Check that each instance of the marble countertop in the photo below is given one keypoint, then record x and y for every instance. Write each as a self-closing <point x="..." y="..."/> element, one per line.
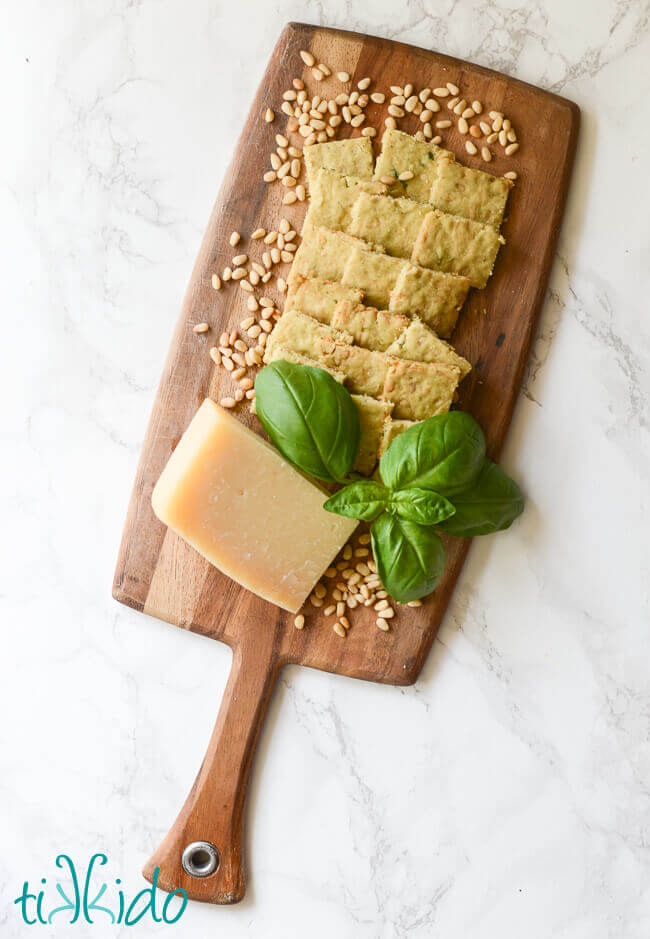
<point x="507" y="793"/>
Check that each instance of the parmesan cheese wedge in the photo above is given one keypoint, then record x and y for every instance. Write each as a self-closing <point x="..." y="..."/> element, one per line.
<point x="237" y="501"/>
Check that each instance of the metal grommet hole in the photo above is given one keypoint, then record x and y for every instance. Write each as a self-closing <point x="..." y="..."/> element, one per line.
<point x="200" y="859"/>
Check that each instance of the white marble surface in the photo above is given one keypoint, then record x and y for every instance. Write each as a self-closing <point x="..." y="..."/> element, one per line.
<point x="507" y="794"/>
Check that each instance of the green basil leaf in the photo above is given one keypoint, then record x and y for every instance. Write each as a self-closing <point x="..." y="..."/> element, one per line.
<point x="365" y="500"/>
<point x="491" y="504"/>
<point x="421" y="506"/>
<point x="310" y="418"/>
<point x="443" y="453"/>
<point x="410" y="558"/>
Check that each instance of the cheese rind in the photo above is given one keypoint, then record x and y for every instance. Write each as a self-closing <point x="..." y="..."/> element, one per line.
<point x="235" y="499"/>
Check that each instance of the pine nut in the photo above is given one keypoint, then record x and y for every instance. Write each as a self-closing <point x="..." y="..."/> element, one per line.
<point x="441" y="92"/>
<point x="411" y="103"/>
<point x="215" y="355"/>
<point x="486" y="154"/>
<point x="454" y="89"/>
<point x="216" y="281"/>
<point x="383" y="625"/>
<point x="307" y="58"/>
<point x="443" y="124"/>
<point x="432" y="105"/>
<point x="475" y="131"/>
<point x="299" y="621"/>
<point x="477" y="107"/>
<point x="485" y="128"/>
<point x="317" y="74"/>
<point x="201" y="327"/>
<point x="470" y="147"/>
<point x="377" y="97"/>
<point x="339" y="630"/>
<point x="390" y="123"/>
<point x="363" y="84"/>
<point x="394" y="111"/>
<point x="368" y="132"/>
<point x="463" y="126"/>
<point x="510" y="175"/>
<point x="405" y="176"/>
<point x="491" y="138"/>
<point x="503" y="138"/>
<point x="227" y="402"/>
<point x="386" y="614"/>
<point x="364" y="539"/>
<point x="426" y="116"/>
<point x="269" y="115"/>
<point x="511" y="148"/>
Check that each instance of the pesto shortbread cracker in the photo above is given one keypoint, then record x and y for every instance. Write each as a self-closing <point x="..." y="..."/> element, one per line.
<point x="399" y="153"/>
<point x="432" y="295"/>
<point x="370" y="328"/>
<point x="351" y="157"/>
<point x="324" y="253"/>
<point x="303" y="334"/>
<point x="392" y="428"/>
<point x="332" y="196"/>
<point x="373" y="415"/>
<point x="473" y="194"/>
<point x="281" y="353"/>
<point x="317" y="297"/>
<point x="392" y="223"/>
<point x="375" y="274"/>
<point x="420" y="389"/>
<point x="365" y="371"/>
<point x="420" y="344"/>
<point x="457" y="245"/>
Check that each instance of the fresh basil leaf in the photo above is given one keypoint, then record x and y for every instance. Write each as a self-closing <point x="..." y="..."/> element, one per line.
<point x="421" y="506"/>
<point x="443" y="453"/>
<point x="410" y="558"/>
<point x="365" y="500"/>
<point x="310" y="418"/>
<point x="491" y="504"/>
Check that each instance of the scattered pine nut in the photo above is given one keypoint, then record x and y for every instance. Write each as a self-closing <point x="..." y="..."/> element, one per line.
<point x="477" y="107"/>
<point x="463" y="126"/>
<point x="343" y="76"/>
<point x="269" y="115"/>
<point x="227" y="402"/>
<point x="383" y="625"/>
<point x="307" y="58"/>
<point x="511" y="148"/>
<point x="215" y="355"/>
<point x="486" y="154"/>
<point x="339" y="630"/>
<point x="235" y="238"/>
<point x="299" y="621"/>
<point x="510" y="175"/>
<point x="201" y="327"/>
<point x="216" y="282"/>
<point x="441" y="92"/>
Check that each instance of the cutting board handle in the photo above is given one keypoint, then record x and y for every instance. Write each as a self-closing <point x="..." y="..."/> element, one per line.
<point x="214" y="809"/>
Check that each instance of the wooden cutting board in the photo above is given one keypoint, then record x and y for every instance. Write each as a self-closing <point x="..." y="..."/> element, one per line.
<point x="159" y="574"/>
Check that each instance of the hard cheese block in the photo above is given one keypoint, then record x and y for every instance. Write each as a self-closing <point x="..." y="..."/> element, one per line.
<point x="237" y="501"/>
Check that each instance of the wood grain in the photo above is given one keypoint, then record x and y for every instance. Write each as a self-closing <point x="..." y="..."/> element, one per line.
<point x="158" y="574"/>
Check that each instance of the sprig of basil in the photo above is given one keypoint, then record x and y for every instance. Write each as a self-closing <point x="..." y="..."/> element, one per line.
<point x="435" y="476"/>
<point x="310" y="418"/>
<point x="443" y="453"/>
<point x="410" y="558"/>
<point x="363" y="500"/>
<point x="491" y="504"/>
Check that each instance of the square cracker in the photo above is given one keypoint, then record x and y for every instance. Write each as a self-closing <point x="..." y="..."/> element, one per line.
<point x="401" y="152"/>
<point x="365" y="371"/>
<point x="392" y="223"/>
<point x="324" y="253"/>
<point x="457" y="245"/>
<point x="470" y="193"/>
<point x="373" y="414"/>
<point x="302" y="334"/>
<point x="420" y="389"/>
<point x="281" y="353"/>
<point x="352" y="157"/>
<point x="431" y="295"/>
<point x="418" y="343"/>
<point x="375" y="274"/>
<point x="332" y="196"/>
<point x="370" y="328"/>
<point x="317" y="297"/>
